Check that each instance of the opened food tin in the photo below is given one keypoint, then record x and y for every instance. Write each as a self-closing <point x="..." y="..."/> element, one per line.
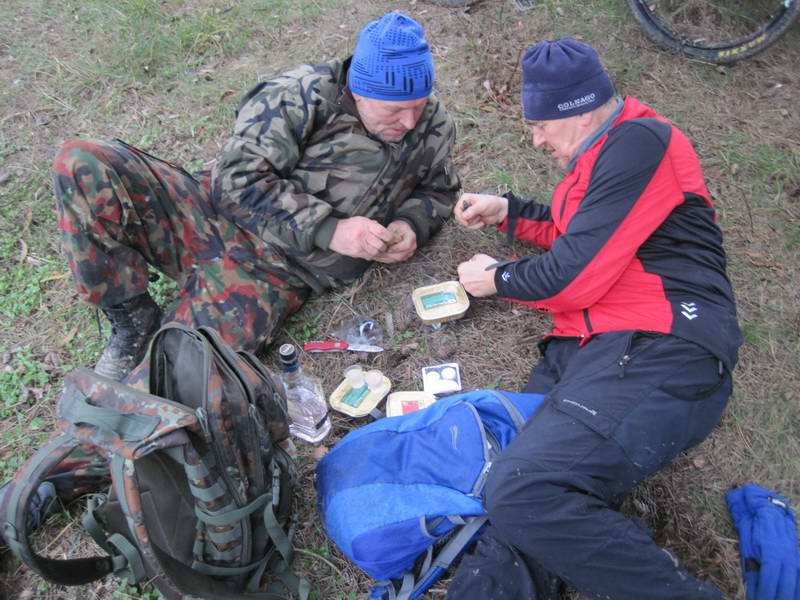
<point x="440" y="302"/>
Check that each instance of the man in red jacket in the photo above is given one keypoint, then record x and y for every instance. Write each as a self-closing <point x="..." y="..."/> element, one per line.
<point x="638" y="365"/>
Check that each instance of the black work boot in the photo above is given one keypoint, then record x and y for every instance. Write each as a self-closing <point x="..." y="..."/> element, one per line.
<point x="133" y="323"/>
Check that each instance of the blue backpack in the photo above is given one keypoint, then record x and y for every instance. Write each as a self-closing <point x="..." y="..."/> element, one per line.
<point x="402" y="497"/>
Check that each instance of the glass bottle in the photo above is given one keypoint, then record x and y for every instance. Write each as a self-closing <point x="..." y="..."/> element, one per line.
<point x="308" y="409"/>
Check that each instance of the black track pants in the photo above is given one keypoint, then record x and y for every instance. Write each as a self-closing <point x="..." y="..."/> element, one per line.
<point x="617" y="410"/>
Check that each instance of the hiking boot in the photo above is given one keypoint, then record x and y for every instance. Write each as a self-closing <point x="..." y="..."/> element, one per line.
<point x="133" y="323"/>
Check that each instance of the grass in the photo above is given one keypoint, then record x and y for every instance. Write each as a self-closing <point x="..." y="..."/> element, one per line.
<point x="166" y="76"/>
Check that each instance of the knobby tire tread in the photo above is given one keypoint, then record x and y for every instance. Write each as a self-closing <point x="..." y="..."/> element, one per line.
<point x="726" y="52"/>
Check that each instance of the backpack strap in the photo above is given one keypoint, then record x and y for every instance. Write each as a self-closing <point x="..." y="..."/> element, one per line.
<point x="280" y="556"/>
<point x="115" y="544"/>
<point x="77" y="571"/>
<point x="411" y="590"/>
<point x="75" y="408"/>
<point x="119" y="419"/>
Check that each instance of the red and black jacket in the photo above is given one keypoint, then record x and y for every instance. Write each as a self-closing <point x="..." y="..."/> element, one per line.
<point x="631" y="242"/>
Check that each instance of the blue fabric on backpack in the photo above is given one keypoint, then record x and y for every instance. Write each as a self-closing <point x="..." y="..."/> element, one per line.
<point x="386" y="490"/>
<point x="767" y="543"/>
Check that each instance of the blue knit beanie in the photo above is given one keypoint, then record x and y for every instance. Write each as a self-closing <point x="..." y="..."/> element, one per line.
<point x="392" y="60"/>
<point x="561" y="79"/>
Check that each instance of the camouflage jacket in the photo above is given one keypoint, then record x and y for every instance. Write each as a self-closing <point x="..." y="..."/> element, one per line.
<point x="299" y="159"/>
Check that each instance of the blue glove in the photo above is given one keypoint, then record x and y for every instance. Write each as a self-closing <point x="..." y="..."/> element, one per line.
<point x="743" y="521"/>
<point x="767" y="543"/>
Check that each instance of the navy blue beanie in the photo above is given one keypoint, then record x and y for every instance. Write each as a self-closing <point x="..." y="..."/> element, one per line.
<point x="561" y="79"/>
<point x="392" y="60"/>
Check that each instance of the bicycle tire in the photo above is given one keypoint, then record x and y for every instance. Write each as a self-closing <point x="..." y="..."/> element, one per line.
<point x="453" y="3"/>
<point x="723" y="52"/>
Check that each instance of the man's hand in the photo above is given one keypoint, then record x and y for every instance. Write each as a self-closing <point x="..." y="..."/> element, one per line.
<point x="474" y="211"/>
<point x="475" y="278"/>
<point x="361" y="237"/>
<point x="405" y="243"/>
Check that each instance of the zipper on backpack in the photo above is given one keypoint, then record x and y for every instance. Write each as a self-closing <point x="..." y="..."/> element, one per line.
<point x="491" y="448"/>
<point x="223" y="353"/>
<point x="513" y="412"/>
<point x="202" y="418"/>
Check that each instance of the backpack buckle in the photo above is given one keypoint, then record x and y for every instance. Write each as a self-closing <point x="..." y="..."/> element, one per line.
<point x="10" y="532"/>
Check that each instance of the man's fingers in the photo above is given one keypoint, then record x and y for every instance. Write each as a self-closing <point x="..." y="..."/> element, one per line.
<point x="470" y="223"/>
<point x="404" y="245"/>
<point x="471" y="212"/>
<point x="374" y="245"/>
<point x="400" y="240"/>
<point x="392" y="257"/>
<point x="380" y="232"/>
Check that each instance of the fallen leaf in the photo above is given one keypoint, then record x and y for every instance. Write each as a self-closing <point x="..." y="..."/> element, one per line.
<point x="23" y="253"/>
<point x="699" y="462"/>
<point x="319" y="452"/>
<point x="68" y="338"/>
<point x="28" y="219"/>
<point x="56" y="276"/>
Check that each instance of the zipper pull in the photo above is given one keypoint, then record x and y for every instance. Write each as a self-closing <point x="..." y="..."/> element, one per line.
<point x="622" y="363"/>
<point x="202" y="418"/>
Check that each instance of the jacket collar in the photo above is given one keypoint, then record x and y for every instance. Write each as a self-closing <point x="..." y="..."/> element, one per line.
<point x="600" y="132"/>
<point x="345" y="98"/>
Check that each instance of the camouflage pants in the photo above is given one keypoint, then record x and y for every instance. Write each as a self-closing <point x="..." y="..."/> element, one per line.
<point x="121" y="209"/>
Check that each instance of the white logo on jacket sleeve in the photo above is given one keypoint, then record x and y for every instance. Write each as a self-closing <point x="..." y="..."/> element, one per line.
<point x="689" y="310"/>
<point x="505" y="276"/>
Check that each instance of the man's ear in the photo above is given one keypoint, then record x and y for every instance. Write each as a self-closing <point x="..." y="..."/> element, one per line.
<point x="585" y="120"/>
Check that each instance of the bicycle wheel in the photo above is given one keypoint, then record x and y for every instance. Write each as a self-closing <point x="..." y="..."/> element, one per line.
<point x="453" y="3"/>
<point x="719" y="31"/>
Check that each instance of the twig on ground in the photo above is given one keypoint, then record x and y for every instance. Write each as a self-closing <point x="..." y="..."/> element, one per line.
<point x="313" y="554"/>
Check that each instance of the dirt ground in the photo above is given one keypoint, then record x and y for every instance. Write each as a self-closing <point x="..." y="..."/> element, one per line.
<point x="166" y="76"/>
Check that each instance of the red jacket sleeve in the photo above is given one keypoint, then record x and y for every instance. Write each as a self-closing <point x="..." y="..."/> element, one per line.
<point x="529" y="221"/>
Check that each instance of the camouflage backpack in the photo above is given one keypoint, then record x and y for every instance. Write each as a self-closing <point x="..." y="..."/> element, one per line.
<point x="192" y="490"/>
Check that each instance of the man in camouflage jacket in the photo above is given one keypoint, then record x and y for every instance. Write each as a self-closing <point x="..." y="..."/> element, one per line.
<point x="328" y="168"/>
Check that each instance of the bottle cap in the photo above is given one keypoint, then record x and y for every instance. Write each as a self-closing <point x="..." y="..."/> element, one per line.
<point x="287" y="354"/>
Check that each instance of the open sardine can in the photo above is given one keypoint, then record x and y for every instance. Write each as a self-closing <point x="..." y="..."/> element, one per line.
<point x="357" y="397"/>
<point x="403" y="403"/>
<point x="440" y="302"/>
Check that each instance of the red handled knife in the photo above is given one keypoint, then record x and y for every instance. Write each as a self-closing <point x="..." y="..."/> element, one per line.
<point x="327" y="346"/>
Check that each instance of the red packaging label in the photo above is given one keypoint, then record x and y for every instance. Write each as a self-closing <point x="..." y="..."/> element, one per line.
<point x="409" y="406"/>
